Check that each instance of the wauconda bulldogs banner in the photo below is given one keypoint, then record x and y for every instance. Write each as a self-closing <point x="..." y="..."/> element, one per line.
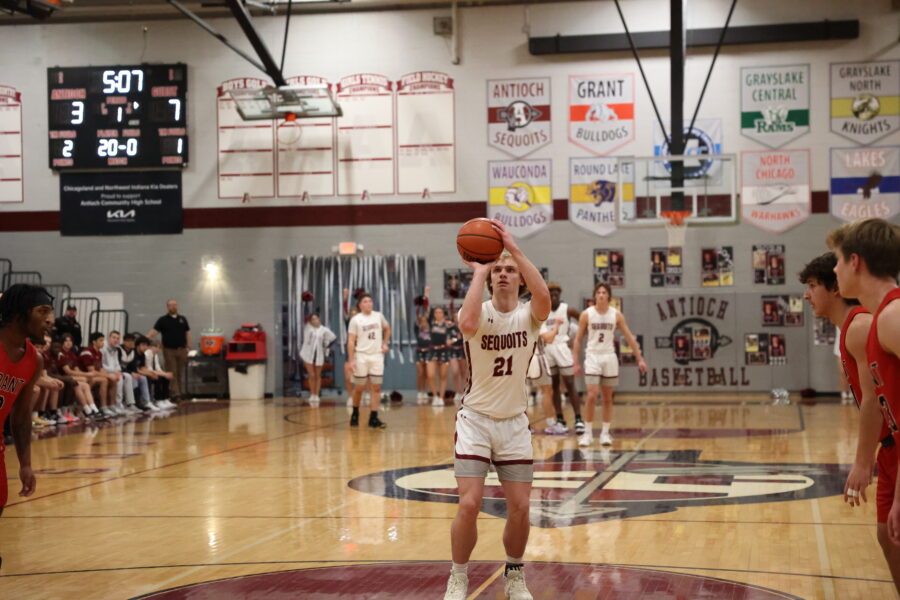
<point x="775" y="189"/>
<point x="518" y="115"/>
<point x="865" y="182"/>
<point x="139" y="202"/>
<point x="520" y="195"/>
<point x="865" y="100"/>
<point x="601" y="111"/>
<point x="592" y="193"/>
<point x="775" y="104"/>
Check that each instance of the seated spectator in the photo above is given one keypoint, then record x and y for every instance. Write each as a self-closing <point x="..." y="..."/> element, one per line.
<point x="91" y="362"/>
<point x="160" y="378"/>
<point x="68" y="324"/>
<point x="124" y="381"/>
<point x="132" y="360"/>
<point x="65" y="363"/>
<point x="67" y="393"/>
<point x="44" y="413"/>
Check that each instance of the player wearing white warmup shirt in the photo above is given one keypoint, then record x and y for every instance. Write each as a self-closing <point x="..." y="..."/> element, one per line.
<point x="367" y="342"/>
<point x="492" y="427"/>
<point x="601" y="365"/>
<point x="559" y="359"/>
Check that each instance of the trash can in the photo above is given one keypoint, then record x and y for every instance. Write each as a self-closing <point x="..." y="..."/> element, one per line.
<point x="246" y="358"/>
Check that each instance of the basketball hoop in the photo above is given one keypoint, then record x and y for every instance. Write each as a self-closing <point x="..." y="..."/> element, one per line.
<point x="288" y="131"/>
<point x="676" y="228"/>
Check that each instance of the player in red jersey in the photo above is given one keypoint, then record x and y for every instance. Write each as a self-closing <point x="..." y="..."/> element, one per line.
<point x="26" y="315"/>
<point x="868" y="262"/>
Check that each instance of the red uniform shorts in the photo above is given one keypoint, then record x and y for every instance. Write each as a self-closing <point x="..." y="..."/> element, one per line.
<point x="887" y="479"/>
<point x="3" y="483"/>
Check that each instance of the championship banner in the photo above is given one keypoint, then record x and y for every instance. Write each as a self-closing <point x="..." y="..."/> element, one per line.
<point x="865" y="182"/>
<point x="704" y="138"/>
<point x="518" y="115"/>
<point x="601" y="111"/>
<point x="11" y="172"/>
<point x="865" y="100"/>
<point x="775" y="189"/>
<point x="123" y="203"/>
<point x="775" y="104"/>
<point x="592" y="193"/>
<point x="520" y="195"/>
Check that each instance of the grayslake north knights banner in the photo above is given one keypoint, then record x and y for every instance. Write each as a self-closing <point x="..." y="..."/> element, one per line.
<point x="520" y="195"/>
<point x="865" y="182"/>
<point x="775" y="188"/>
<point x="865" y="100"/>
<point x="775" y="103"/>
<point x="592" y="192"/>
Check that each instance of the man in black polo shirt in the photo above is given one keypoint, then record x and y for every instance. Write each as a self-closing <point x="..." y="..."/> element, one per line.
<point x="176" y="339"/>
<point x="68" y="324"/>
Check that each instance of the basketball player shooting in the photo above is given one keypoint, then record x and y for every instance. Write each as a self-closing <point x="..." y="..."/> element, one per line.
<point x="492" y="427"/>
<point x="26" y="316"/>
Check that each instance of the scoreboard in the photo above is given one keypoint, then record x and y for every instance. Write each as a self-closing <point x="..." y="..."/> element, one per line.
<point x="119" y="116"/>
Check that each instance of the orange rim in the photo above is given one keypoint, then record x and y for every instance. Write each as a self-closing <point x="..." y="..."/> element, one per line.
<point x="676" y="217"/>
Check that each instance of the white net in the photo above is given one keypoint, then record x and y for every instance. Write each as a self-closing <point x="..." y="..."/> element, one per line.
<point x="288" y="133"/>
<point x="676" y="234"/>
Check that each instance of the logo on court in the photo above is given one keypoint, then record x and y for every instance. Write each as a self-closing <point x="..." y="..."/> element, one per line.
<point x="519" y="115"/>
<point x="576" y="487"/>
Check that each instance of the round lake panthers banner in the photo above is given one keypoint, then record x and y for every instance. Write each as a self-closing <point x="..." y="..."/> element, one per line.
<point x="865" y="182"/>
<point x="775" y="104"/>
<point x="775" y="189"/>
<point x="518" y="115"/>
<point x="601" y="111"/>
<point x="592" y="193"/>
<point x="865" y="100"/>
<point x="520" y="195"/>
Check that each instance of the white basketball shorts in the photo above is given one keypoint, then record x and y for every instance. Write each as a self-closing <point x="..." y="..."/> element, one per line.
<point x="481" y="441"/>
<point x="559" y="358"/>
<point x="601" y="368"/>
<point x="369" y="366"/>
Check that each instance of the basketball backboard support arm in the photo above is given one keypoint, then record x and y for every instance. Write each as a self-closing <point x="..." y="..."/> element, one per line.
<point x="266" y="63"/>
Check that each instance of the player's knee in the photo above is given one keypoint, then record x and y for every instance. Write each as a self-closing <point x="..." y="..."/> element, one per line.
<point x="469" y="507"/>
<point x="518" y="507"/>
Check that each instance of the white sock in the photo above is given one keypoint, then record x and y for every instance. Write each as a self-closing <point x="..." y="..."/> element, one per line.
<point x="515" y="561"/>
<point x="550" y="421"/>
<point x="606" y="427"/>
<point x="588" y="427"/>
<point x="457" y="568"/>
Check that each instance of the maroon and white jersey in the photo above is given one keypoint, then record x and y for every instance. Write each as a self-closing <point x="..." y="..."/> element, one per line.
<point x="499" y="353"/>
<point x="600" y="329"/>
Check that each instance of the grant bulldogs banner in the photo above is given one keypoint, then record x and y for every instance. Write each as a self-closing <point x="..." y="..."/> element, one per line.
<point x="775" y="189"/>
<point x="865" y="182"/>
<point x="592" y="193"/>
<point x="520" y="195"/>
<point x="518" y="115"/>
<point x="775" y="104"/>
<point x="601" y="111"/>
<point x="140" y="202"/>
<point x="865" y="100"/>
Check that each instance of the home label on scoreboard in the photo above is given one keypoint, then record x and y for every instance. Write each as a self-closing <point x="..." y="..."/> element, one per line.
<point x="118" y="116"/>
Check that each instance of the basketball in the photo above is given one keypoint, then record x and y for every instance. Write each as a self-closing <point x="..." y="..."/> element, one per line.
<point x="478" y="241"/>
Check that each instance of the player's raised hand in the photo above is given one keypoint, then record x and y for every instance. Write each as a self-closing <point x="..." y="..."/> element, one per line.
<point x="477" y="266"/>
<point x="509" y="242"/>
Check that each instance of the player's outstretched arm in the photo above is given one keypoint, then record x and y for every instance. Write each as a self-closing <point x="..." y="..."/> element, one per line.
<point x="540" y="294"/>
<point x="622" y="324"/>
<point x="550" y="335"/>
<point x="21" y="426"/>
<point x="870" y="418"/>
<point x="470" y="313"/>
<point x="579" y="338"/>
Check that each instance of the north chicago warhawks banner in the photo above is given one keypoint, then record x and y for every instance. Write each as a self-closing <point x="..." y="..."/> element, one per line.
<point x="865" y="100"/>
<point x="518" y="115"/>
<point x="775" y="104"/>
<point x="592" y="193"/>
<point x="520" y="195"/>
<point x="865" y="182"/>
<point x="775" y="189"/>
<point x="601" y="111"/>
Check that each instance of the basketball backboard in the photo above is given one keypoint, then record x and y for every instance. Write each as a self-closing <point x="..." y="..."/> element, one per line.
<point x="645" y="187"/>
<point x="304" y="102"/>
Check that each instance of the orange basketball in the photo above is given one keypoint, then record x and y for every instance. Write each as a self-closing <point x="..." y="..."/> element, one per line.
<point x="478" y="241"/>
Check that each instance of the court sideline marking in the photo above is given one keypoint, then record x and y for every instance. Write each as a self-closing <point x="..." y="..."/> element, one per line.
<point x="824" y="558"/>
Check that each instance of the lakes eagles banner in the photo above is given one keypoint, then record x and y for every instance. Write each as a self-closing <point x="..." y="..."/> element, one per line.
<point x="865" y="182"/>
<point x="775" y="104"/>
<point x="520" y="195"/>
<point x="865" y="100"/>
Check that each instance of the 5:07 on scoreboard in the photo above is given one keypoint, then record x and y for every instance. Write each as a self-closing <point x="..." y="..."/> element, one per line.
<point x="117" y="116"/>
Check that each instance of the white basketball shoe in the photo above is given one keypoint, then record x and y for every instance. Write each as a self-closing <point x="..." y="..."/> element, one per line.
<point x="514" y="585"/>
<point x="457" y="587"/>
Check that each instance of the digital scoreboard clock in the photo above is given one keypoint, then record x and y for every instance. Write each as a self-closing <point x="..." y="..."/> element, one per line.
<point x="114" y="117"/>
